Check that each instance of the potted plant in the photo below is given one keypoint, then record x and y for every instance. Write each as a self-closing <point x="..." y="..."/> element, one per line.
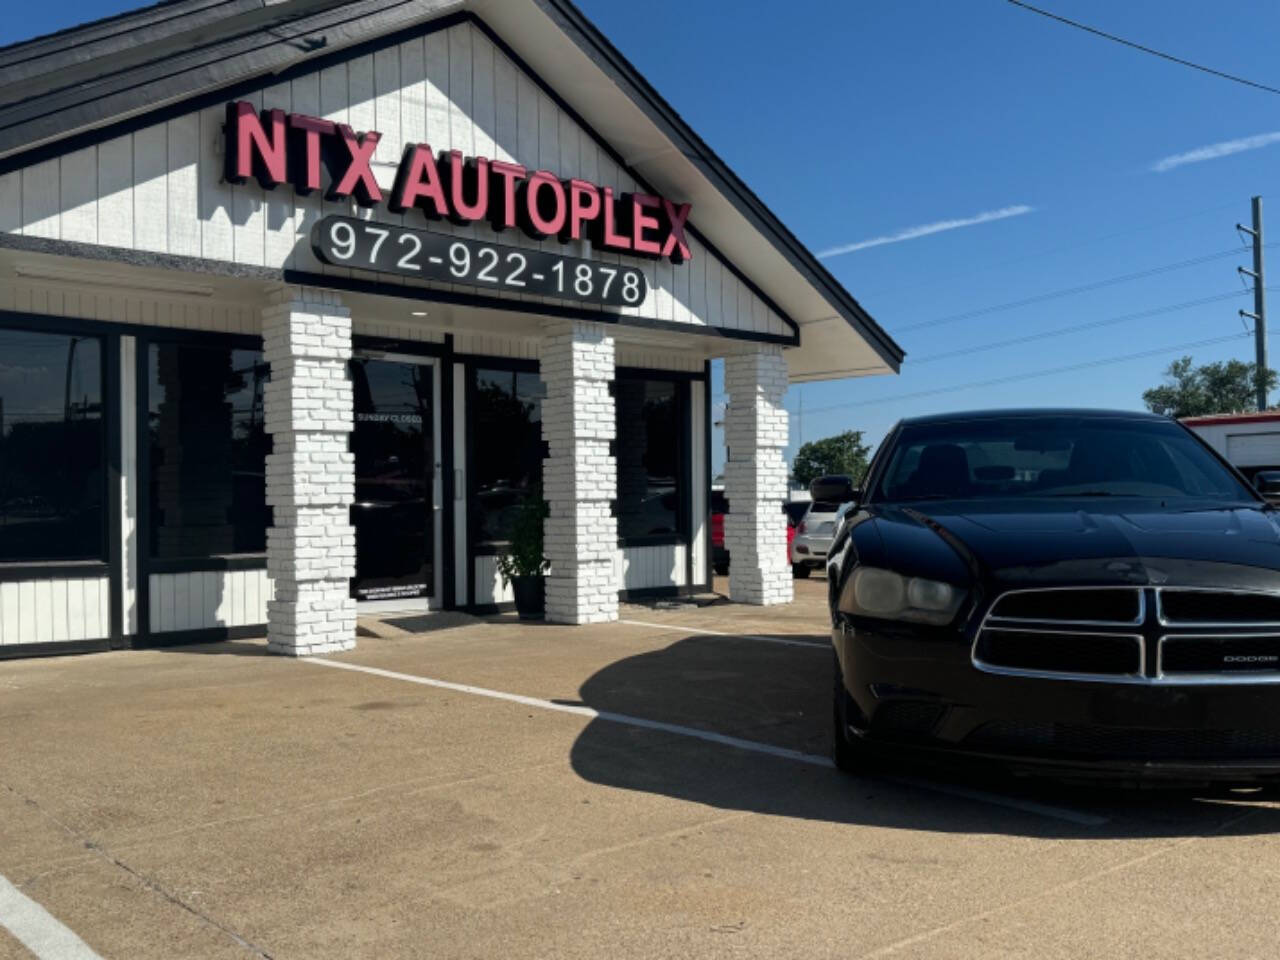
<point x="524" y="566"/>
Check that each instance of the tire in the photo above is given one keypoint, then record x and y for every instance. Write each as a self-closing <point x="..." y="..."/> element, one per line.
<point x="800" y="571"/>
<point x="849" y="755"/>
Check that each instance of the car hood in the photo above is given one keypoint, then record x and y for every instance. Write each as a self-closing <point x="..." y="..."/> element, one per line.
<point x="1078" y="541"/>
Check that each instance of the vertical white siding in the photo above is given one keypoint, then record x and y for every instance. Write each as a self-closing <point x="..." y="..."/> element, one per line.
<point x="643" y="568"/>
<point x="489" y="587"/>
<point x="208" y="599"/>
<point x="161" y="188"/>
<point x="54" y="611"/>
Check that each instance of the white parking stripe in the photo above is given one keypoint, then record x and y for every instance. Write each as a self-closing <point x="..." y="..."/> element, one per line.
<point x="585" y="711"/>
<point x="754" y="746"/>
<point x="37" y="929"/>
<point x="720" y="633"/>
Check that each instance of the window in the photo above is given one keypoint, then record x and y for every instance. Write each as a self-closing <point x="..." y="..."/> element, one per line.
<point x="52" y="447"/>
<point x="208" y="449"/>
<point x="1053" y="456"/>
<point x="652" y="460"/>
<point x="507" y="449"/>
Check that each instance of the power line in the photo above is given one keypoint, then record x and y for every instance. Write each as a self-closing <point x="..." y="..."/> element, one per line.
<point x="1077" y="327"/>
<point x="1105" y="361"/>
<point x="1145" y="49"/>
<point x="1050" y="251"/>
<point x="1072" y="291"/>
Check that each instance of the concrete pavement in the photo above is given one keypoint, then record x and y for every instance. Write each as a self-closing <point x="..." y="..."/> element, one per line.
<point x="216" y="802"/>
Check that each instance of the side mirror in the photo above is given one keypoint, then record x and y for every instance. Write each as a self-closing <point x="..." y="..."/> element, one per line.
<point x="1267" y="483"/>
<point x="836" y="488"/>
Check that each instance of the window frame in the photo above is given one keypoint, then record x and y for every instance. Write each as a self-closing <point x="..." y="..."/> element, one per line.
<point x="684" y="383"/>
<point x="148" y="564"/>
<point x="474" y="364"/>
<point x="109" y="380"/>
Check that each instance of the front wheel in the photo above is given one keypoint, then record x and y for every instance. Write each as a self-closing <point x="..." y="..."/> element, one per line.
<point x="849" y="754"/>
<point x="800" y="571"/>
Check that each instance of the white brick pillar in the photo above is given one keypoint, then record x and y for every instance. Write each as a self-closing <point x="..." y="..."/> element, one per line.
<point x="579" y="476"/>
<point x="311" y="548"/>
<point x="755" y="477"/>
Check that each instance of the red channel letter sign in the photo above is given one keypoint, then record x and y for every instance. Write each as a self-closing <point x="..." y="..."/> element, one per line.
<point x="275" y="148"/>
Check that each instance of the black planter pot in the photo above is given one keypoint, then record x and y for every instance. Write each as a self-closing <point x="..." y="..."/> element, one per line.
<point x="531" y="596"/>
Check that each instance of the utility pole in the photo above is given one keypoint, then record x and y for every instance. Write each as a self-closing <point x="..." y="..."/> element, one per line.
<point x="1259" y="315"/>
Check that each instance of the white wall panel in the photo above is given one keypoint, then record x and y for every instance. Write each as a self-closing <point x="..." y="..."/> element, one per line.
<point x="79" y="196"/>
<point x="115" y="192"/>
<point x="495" y="346"/>
<point x="11" y="202"/>
<point x="208" y="599"/>
<point x="161" y="189"/>
<point x="151" y="188"/>
<point x="630" y="355"/>
<point x="489" y="587"/>
<point x="54" y="611"/>
<point x="85" y="300"/>
<point x="643" y="568"/>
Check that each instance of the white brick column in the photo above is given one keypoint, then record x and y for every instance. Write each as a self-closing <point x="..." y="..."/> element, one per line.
<point x="311" y="548"/>
<point x="579" y="476"/>
<point x="755" y="477"/>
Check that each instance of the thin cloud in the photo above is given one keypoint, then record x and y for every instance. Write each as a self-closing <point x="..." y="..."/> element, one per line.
<point x="1215" y="150"/>
<point x="924" y="230"/>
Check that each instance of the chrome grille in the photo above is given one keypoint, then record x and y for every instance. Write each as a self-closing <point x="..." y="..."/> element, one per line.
<point x="1153" y="635"/>
<point x="1097" y="606"/>
<point x="1051" y="651"/>
<point x="1253" y="656"/>
<point x="1188" y="607"/>
<point x="1081" y="633"/>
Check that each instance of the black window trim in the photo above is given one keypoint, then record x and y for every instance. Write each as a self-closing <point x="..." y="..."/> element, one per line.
<point x="471" y="363"/>
<point x="684" y="512"/>
<point x="474" y="364"/>
<point x="108" y="336"/>
<point x="148" y="564"/>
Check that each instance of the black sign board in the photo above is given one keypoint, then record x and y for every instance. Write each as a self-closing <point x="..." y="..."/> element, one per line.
<point x="389" y="248"/>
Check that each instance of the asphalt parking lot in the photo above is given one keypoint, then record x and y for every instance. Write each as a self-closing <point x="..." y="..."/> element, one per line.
<point x="651" y="788"/>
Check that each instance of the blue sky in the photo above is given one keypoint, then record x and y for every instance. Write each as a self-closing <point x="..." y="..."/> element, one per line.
<point x="857" y="121"/>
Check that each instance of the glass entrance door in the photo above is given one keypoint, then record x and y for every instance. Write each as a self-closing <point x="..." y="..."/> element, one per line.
<point x="393" y="440"/>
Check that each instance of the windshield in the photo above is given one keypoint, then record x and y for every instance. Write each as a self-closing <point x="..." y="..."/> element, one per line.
<point x="1052" y="457"/>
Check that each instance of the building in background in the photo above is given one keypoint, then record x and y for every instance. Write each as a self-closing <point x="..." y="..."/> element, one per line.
<point x="298" y="301"/>
<point x="1251" y="441"/>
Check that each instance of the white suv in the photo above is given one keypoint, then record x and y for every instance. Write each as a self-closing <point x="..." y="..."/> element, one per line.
<point x="813" y="538"/>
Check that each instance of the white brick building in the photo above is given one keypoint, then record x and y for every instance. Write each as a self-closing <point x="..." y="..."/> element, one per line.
<point x="295" y="314"/>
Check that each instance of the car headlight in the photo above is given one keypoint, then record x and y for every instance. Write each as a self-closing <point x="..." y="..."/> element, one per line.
<point x="875" y="592"/>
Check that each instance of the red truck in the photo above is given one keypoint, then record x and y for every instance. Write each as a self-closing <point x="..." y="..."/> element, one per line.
<point x="720" y="506"/>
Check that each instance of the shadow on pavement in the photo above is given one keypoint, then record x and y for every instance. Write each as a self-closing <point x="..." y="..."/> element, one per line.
<point x="780" y="696"/>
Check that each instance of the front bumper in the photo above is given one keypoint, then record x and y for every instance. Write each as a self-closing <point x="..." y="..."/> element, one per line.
<point x="916" y="690"/>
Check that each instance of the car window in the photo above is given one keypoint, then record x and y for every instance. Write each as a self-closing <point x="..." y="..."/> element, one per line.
<point x="795" y="511"/>
<point x="1052" y="457"/>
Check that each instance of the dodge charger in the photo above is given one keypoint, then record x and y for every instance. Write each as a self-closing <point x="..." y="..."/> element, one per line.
<point x="1060" y="590"/>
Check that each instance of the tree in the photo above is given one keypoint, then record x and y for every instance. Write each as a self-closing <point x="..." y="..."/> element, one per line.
<point x="1221" y="387"/>
<point x="843" y="453"/>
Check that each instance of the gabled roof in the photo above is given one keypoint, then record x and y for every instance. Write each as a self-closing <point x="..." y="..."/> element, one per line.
<point x="82" y="85"/>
